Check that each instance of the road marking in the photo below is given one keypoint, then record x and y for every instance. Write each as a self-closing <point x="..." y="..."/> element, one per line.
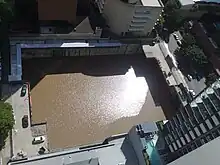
<point x="1" y="161"/>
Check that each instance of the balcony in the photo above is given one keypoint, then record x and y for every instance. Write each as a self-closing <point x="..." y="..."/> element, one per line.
<point x="138" y="21"/>
<point x="142" y="16"/>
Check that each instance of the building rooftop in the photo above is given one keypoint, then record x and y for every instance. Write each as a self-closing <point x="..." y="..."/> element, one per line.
<point x="154" y="3"/>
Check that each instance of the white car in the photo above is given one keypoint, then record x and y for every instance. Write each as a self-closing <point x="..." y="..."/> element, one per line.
<point x="192" y="92"/>
<point x="39" y="139"/>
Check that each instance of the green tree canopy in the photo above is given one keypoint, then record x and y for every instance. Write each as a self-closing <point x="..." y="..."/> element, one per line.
<point x="173" y="19"/>
<point x="6" y="8"/>
<point x="6" y="119"/>
<point x="191" y="57"/>
<point x="211" y="78"/>
<point x="197" y="55"/>
<point x="188" y="39"/>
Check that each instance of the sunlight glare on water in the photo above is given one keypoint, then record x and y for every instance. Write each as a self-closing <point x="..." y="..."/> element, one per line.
<point x="134" y="95"/>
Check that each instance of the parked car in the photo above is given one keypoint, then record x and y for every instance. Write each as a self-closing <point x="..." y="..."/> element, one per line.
<point x="25" y="121"/>
<point x="23" y="90"/>
<point x="39" y="139"/>
<point x="175" y="36"/>
<point x="189" y="77"/>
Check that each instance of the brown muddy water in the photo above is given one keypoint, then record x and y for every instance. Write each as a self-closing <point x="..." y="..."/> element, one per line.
<point x="86" y="99"/>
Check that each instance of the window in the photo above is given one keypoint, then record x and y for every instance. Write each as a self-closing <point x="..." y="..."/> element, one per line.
<point x="215" y="101"/>
<point x="180" y="153"/>
<point x="215" y="134"/>
<point x="174" y="134"/>
<point x="176" y="121"/>
<point x="209" y="137"/>
<point x="184" y="150"/>
<point x="197" y="114"/>
<point x="184" y="114"/>
<point x="193" y="121"/>
<point x="191" y="116"/>
<point x="203" y="110"/>
<point x="178" y="132"/>
<point x="167" y="140"/>
<point x="183" y="129"/>
<point x="215" y="120"/>
<point x="187" y="126"/>
<point x="208" y="105"/>
<point x="189" y="148"/>
<point x="170" y="137"/>
<point x="172" y="124"/>
<point x="198" y="142"/>
<point x="203" y="140"/>
<point x="180" y="119"/>
<point x="193" y="146"/>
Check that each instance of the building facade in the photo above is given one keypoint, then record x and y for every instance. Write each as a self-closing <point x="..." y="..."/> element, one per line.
<point x="130" y="17"/>
<point x="195" y="124"/>
<point x="207" y="36"/>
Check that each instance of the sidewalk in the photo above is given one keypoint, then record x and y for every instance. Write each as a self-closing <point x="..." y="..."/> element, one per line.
<point x="178" y="76"/>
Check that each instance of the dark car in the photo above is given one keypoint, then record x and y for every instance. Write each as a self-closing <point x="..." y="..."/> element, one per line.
<point x="25" y="121"/>
<point x="23" y="90"/>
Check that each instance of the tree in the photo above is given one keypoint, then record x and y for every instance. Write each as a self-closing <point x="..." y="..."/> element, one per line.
<point x="173" y="19"/>
<point x="188" y="39"/>
<point x="6" y="119"/>
<point x="190" y="57"/>
<point x="211" y="78"/>
<point x="197" y="55"/>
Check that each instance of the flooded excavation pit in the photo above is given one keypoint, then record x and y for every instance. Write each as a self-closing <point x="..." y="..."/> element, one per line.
<point x="86" y="99"/>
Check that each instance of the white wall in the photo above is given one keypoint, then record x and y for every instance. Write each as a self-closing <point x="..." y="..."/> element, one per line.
<point x="205" y="155"/>
<point x="119" y="16"/>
